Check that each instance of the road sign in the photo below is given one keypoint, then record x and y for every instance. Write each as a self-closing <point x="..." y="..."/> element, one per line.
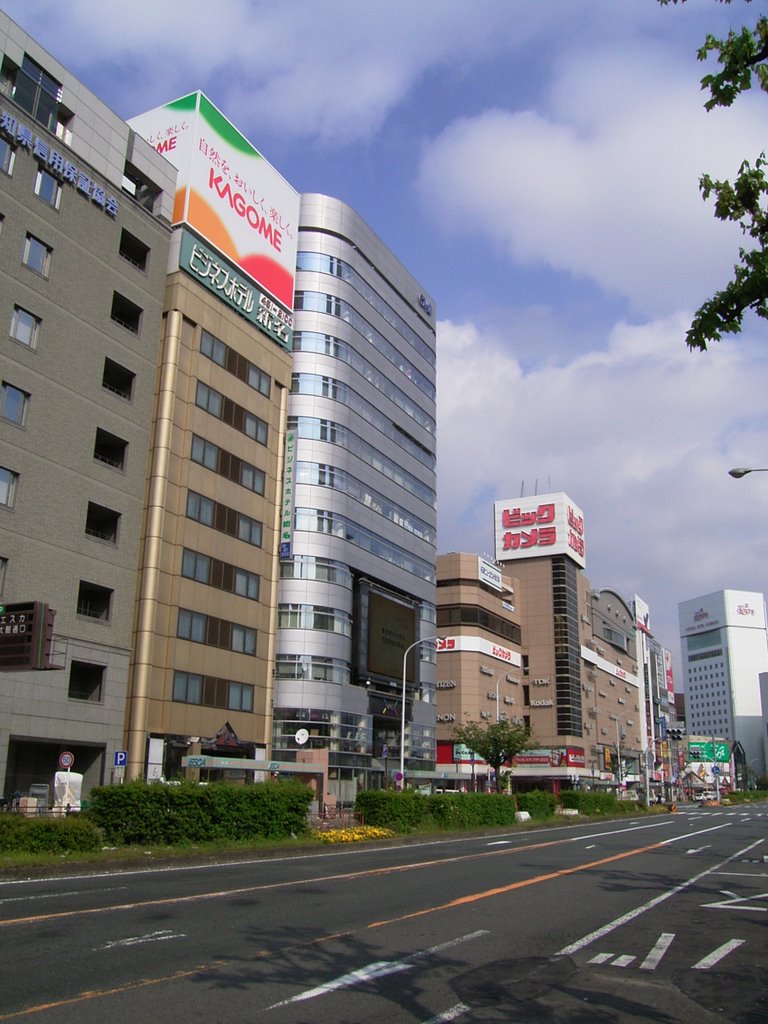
<point x="715" y="769"/>
<point x="121" y="758"/>
<point x="66" y="759"/>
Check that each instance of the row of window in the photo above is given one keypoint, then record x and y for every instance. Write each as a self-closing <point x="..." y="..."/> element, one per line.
<point x="332" y="523"/>
<point x="222" y="575"/>
<point x="26" y="325"/>
<point x="325" y="264"/>
<point x="324" y="475"/>
<point x="224" y="519"/>
<point x="231" y="413"/>
<point x="338" y="391"/>
<point x="211" y="692"/>
<point x="320" y="302"/>
<point x="307" y="616"/>
<point x="315" y="429"/>
<point x="224" y="463"/>
<point x="472" y="615"/>
<point x="230" y="360"/>
<point x="326" y="344"/>
<point x="214" y="632"/>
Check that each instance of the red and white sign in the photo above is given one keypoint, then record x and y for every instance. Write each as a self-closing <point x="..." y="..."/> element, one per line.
<point x="547" y="524"/>
<point x="66" y="759"/>
<point x="479" y="645"/>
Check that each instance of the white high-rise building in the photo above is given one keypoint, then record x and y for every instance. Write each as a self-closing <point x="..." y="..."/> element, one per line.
<point x="724" y="650"/>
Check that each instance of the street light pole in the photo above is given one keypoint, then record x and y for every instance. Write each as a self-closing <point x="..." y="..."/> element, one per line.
<point x="406" y="652"/>
<point x="741" y="471"/>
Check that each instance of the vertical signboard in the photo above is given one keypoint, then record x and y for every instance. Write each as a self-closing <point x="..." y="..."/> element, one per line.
<point x="227" y="192"/>
<point x="26" y="635"/>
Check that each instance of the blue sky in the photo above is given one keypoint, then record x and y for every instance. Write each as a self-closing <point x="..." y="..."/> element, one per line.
<point x="535" y="164"/>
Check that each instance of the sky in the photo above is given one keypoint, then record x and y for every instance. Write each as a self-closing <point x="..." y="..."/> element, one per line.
<point x="535" y="165"/>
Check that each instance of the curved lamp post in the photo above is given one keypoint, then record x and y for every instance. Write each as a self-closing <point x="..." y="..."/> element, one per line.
<point x="406" y="652"/>
<point x="741" y="471"/>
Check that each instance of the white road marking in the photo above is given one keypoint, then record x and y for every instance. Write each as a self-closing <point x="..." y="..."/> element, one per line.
<point x="733" y="904"/>
<point x="623" y="961"/>
<point x="602" y="958"/>
<point x="698" y="849"/>
<point x="53" y="895"/>
<point x="500" y="842"/>
<point x="600" y="933"/>
<point x="138" y="940"/>
<point x="717" y="955"/>
<point x="653" y="959"/>
<point x="448" y="1015"/>
<point x="380" y="969"/>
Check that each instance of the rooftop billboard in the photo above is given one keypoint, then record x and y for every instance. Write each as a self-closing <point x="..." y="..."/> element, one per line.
<point x="544" y="525"/>
<point x="227" y="192"/>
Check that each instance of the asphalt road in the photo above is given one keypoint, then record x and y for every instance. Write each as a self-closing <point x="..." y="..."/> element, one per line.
<point x="660" y="919"/>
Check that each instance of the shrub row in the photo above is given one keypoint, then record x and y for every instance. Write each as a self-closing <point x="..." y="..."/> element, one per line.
<point x="740" y="796"/>
<point x="74" y="834"/>
<point x="406" y="811"/>
<point x="176" y="815"/>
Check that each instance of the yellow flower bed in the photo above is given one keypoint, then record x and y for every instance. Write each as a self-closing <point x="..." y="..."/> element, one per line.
<point x="355" y="834"/>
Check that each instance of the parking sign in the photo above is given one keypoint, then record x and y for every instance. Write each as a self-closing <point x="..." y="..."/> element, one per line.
<point x="121" y="758"/>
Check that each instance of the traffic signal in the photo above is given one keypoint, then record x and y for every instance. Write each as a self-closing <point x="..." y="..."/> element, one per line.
<point x="676" y="734"/>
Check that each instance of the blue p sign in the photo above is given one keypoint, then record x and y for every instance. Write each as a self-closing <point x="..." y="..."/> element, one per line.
<point x="121" y="758"/>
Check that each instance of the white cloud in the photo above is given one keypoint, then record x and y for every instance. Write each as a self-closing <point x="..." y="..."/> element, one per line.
<point x="602" y="185"/>
<point x="640" y="433"/>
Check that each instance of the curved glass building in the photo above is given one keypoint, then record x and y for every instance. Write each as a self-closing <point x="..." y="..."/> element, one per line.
<point x="357" y="587"/>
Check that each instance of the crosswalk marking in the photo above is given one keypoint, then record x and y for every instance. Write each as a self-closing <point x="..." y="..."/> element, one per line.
<point x="653" y="959"/>
<point x="718" y="954"/>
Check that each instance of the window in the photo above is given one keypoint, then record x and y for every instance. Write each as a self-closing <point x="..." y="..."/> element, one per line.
<point x="243" y="639"/>
<point x="3" y="571"/>
<point x="252" y="478"/>
<point x="187" y="687"/>
<point x="25" y="327"/>
<point x="13" y="404"/>
<point x="192" y="626"/>
<point x="133" y="250"/>
<point x="200" y="509"/>
<point x="37" y="93"/>
<point x="48" y="188"/>
<point x="208" y="399"/>
<point x="7" y="155"/>
<point x="86" y="681"/>
<point x="195" y="566"/>
<point x="249" y="530"/>
<point x="118" y="379"/>
<point x="102" y="522"/>
<point x="259" y="380"/>
<point x="126" y="313"/>
<point x="255" y="428"/>
<point x="36" y="255"/>
<point x="110" y="449"/>
<point x="240" y="697"/>
<point x="94" y="601"/>
<point x="8" y="481"/>
<point x="247" y="584"/>
<point x="205" y="453"/>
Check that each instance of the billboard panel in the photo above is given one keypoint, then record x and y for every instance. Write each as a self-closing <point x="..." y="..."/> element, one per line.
<point x="226" y="191"/>
<point x="391" y="631"/>
<point x="544" y="525"/>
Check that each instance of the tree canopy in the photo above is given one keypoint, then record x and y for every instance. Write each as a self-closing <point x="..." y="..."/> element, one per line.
<point x="496" y="743"/>
<point x="743" y="60"/>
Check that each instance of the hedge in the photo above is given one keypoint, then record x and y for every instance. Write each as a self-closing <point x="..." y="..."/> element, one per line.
<point x="172" y="815"/>
<point x="409" y="810"/>
<point x="72" y="834"/>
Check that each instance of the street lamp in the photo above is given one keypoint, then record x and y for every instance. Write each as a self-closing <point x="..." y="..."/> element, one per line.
<point x="406" y="652"/>
<point x="741" y="471"/>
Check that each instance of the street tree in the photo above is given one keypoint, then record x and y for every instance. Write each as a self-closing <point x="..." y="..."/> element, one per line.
<point x="496" y="743"/>
<point x="743" y="60"/>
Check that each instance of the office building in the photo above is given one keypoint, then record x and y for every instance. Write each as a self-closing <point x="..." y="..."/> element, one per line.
<point x="85" y="210"/>
<point x="357" y="590"/>
<point x="724" y="650"/>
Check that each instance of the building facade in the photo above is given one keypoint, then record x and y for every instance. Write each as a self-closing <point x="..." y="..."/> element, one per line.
<point x="85" y="209"/>
<point x="724" y="650"/>
<point x="201" y="674"/>
<point x="357" y="590"/>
